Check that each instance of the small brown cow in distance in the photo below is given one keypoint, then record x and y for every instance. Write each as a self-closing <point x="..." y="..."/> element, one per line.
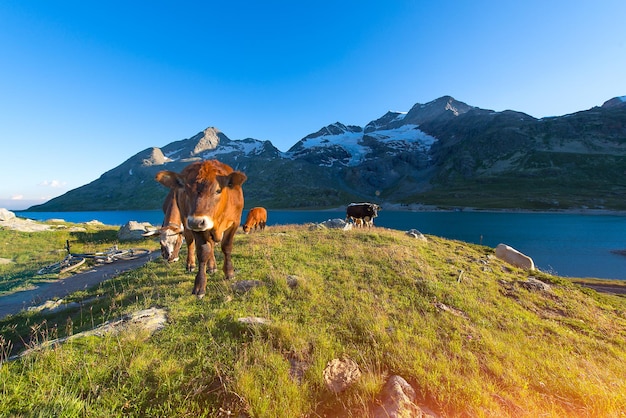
<point x="257" y="218"/>
<point x="212" y="210"/>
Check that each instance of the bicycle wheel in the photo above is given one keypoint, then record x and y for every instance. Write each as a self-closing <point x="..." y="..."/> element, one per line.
<point x="72" y="264"/>
<point x="50" y="269"/>
<point x="69" y="263"/>
<point x="130" y="254"/>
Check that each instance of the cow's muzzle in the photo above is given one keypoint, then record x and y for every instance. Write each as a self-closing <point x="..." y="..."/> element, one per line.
<point x="200" y="223"/>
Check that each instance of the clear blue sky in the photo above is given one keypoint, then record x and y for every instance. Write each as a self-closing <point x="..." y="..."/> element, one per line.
<point x="84" y="85"/>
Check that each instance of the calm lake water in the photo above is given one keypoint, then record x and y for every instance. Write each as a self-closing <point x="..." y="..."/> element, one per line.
<point x="570" y="245"/>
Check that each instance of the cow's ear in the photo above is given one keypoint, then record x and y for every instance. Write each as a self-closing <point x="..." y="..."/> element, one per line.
<point x="169" y="179"/>
<point x="236" y="178"/>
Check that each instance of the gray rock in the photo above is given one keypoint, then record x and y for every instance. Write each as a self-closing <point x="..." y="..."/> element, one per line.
<point x="336" y="224"/>
<point x="294" y="281"/>
<point x="133" y="231"/>
<point x="514" y="257"/>
<point x="146" y="321"/>
<point x="24" y="225"/>
<point x="536" y="285"/>
<point x="6" y="214"/>
<point x="243" y="286"/>
<point x="398" y="401"/>
<point x="253" y="320"/>
<point x="416" y="234"/>
<point x="340" y="374"/>
<point x="54" y="306"/>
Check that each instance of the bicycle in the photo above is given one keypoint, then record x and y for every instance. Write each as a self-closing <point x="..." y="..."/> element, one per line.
<point x="74" y="260"/>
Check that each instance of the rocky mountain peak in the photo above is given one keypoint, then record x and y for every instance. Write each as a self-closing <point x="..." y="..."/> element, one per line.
<point x="445" y="107"/>
<point x="615" y="102"/>
<point x="208" y="139"/>
<point x="336" y="128"/>
<point x="389" y="119"/>
<point x="201" y="143"/>
<point x="154" y="157"/>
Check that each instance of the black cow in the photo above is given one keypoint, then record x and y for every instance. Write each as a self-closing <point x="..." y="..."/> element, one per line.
<point x="362" y="213"/>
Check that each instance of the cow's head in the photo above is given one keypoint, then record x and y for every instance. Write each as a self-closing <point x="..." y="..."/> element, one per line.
<point x="171" y="239"/>
<point x="375" y="208"/>
<point x="211" y="187"/>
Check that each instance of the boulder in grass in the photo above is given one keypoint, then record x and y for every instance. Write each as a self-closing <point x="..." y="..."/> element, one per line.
<point x="398" y="400"/>
<point x="133" y="231"/>
<point x="514" y="257"/>
<point x="340" y="374"/>
<point x="6" y="215"/>
<point x="336" y="224"/>
<point x="416" y="234"/>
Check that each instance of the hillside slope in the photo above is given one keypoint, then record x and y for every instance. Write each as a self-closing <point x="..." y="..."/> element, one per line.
<point x="472" y="335"/>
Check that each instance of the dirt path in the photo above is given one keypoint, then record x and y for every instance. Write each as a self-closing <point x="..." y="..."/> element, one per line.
<point x="606" y="288"/>
<point x="15" y="302"/>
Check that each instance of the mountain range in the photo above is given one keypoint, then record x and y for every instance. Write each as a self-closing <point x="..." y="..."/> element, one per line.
<point x="444" y="153"/>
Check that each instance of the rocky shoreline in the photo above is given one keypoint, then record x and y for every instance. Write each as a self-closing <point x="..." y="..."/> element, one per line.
<point x="8" y="220"/>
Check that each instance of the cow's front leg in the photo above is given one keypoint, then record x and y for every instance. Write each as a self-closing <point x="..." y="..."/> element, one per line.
<point x="206" y="256"/>
<point x="227" y="248"/>
<point x="212" y="264"/>
<point x="191" y="251"/>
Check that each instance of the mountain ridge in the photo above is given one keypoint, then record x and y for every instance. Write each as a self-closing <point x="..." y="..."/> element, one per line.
<point x="444" y="152"/>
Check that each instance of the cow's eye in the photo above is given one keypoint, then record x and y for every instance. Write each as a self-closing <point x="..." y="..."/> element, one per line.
<point x="218" y="191"/>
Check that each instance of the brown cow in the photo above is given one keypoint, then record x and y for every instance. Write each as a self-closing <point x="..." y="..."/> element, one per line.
<point x="257" y="217"/>
<point x="214" y="202"/>
<point x="173" y="228"/>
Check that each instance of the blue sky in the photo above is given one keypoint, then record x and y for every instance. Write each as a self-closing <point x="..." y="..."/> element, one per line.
<point x="84" y="85"/>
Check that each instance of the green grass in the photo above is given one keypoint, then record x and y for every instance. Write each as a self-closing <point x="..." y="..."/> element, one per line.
<point x="376" y="296"/>
<point x="29" y="251"/>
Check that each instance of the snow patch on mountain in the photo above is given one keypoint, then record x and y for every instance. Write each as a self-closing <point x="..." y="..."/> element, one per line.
<point x="349" y="141"/>
<point x="172" y="155"/>
<point x="404" y="134"/>
<point x="186" y="149"/>
<point x="350" y="148"/>
<point x="248" y="147"/>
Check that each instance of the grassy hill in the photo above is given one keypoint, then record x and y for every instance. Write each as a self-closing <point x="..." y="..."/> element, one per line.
<point x="471" y="334"/>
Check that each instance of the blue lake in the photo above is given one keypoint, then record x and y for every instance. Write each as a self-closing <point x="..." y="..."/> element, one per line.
<point x="570" y="245"/>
